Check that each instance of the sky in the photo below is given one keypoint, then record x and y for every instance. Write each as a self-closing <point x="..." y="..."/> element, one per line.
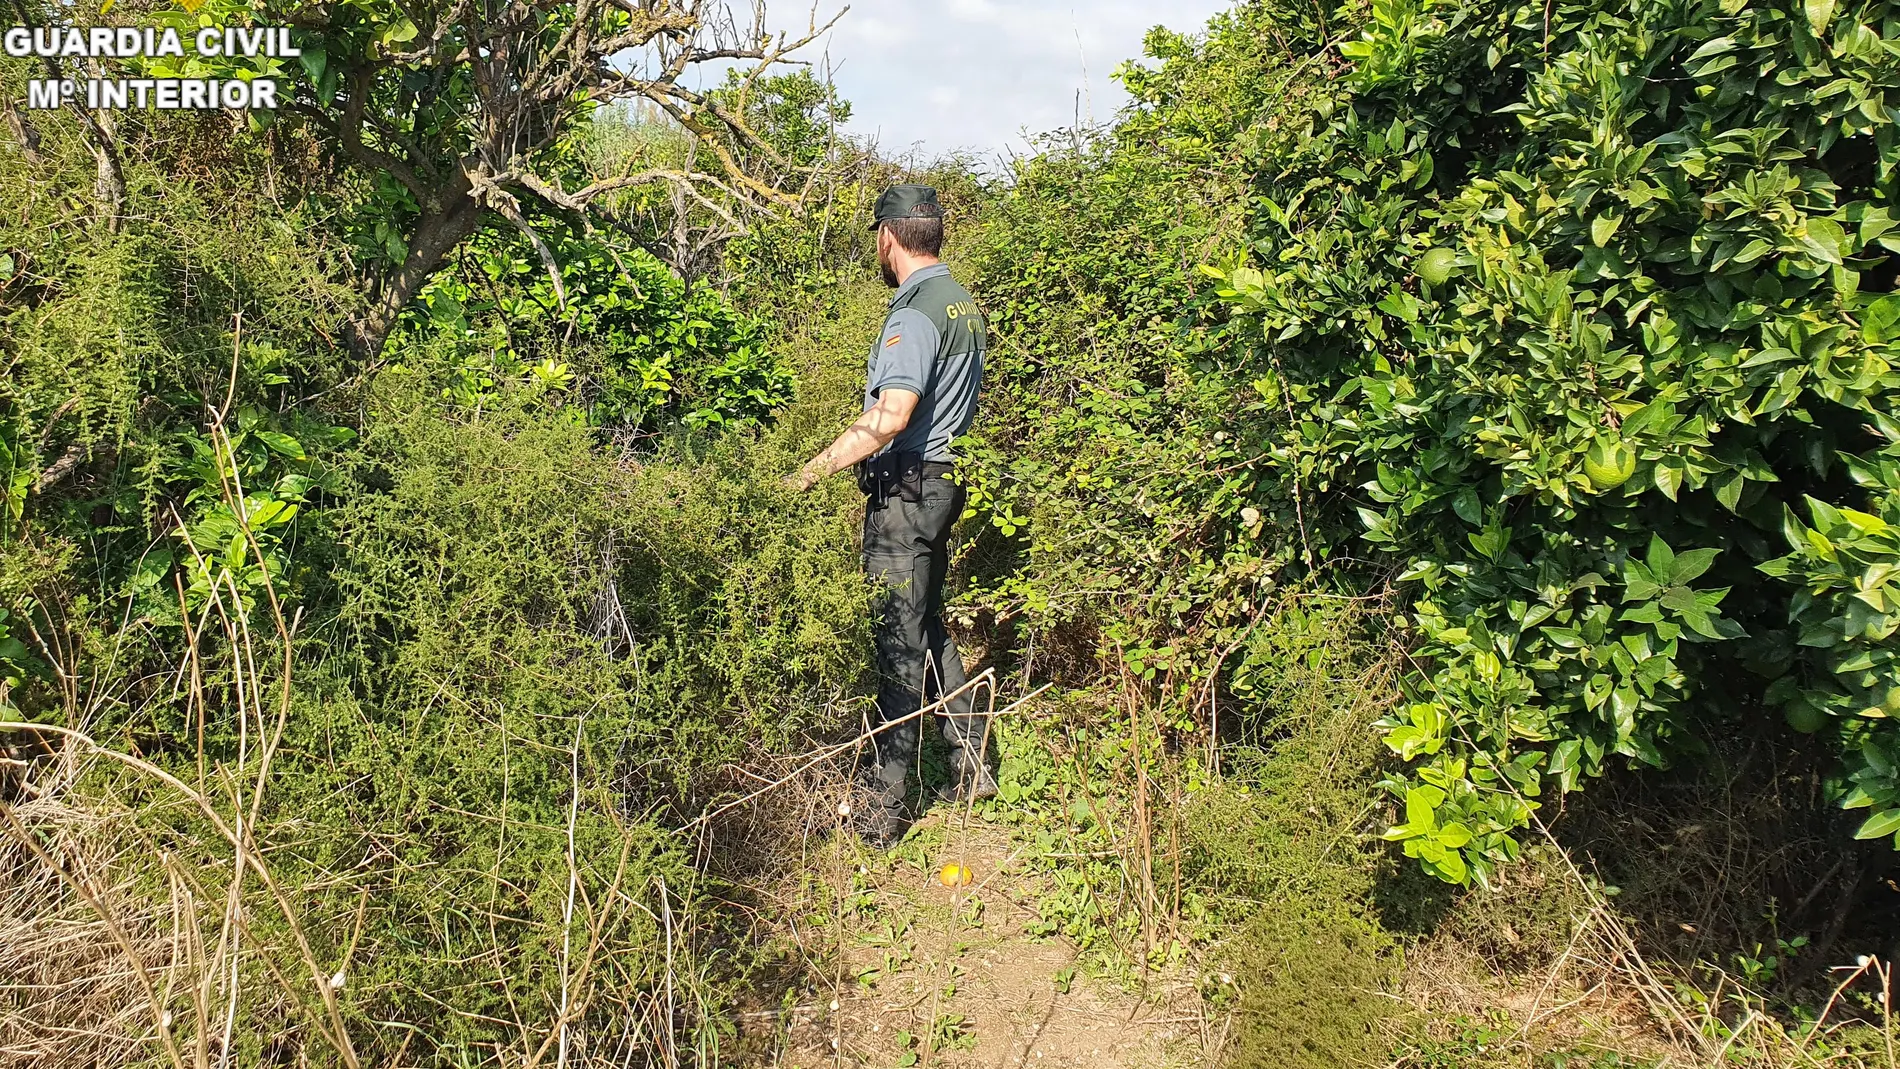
<point x="947" y="75"/>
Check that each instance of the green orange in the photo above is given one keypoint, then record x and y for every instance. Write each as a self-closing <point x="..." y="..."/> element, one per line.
<point x="1805" y="716"/>
<point x="1609" y="464"/>
<point x="1436" y="265"/>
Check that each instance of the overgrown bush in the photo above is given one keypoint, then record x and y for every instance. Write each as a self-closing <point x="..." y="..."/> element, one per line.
<point x="634" y="342"/>
<point x="437" y="675"/>
<point x="1567" y="324"/>
<point x="1111" y="464"/>
<point x="1583" y="308"/>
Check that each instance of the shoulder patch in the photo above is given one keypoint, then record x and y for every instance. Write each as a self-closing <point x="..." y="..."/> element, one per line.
<point x="893" y="340"/>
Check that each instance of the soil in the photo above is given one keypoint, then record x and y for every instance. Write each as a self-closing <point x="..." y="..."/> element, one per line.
<point x="906" y="951"/>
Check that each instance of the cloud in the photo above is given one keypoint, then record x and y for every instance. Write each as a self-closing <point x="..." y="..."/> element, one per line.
<point x="975" y="75"/>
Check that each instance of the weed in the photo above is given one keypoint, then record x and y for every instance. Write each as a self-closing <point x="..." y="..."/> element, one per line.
<point x="952" y="1031"/>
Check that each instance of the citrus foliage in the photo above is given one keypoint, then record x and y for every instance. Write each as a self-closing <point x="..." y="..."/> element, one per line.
<point x="1565" y="325"/>
<point x="633" y="342"/>
<point x="1583" y="311"/>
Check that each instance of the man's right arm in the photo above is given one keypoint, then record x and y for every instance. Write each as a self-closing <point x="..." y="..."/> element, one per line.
<point x="872" y="431"/>
<point x="906" y="351"/>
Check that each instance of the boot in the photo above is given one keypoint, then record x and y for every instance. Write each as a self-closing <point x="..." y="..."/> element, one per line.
<point x="881" y="828"/>
<point x="974" y="780"/>
<point x="882" y="816"/>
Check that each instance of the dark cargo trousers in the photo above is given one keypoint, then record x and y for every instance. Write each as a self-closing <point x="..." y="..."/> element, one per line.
<point x="907" y="549"/>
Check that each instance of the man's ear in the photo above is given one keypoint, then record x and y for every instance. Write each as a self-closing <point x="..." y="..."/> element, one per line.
<point x="883" y="243"/>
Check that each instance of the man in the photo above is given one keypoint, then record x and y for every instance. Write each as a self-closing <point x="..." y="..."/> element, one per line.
<point x="925" y="371"/>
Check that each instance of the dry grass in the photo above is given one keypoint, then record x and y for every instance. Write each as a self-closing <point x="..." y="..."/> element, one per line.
<point x="70" y="994"/>
<point x="1551" y="968"/>
<point x="116" y="950"/>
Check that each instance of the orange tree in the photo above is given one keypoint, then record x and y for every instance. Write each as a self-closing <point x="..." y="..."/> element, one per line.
<point x="447" y="112"/>
<point x="1583" y="311"/>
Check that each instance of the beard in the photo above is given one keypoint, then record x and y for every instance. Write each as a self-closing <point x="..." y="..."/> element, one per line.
<point x="887" y="272"/>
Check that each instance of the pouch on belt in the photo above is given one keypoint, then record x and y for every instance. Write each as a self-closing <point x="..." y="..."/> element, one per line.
<point x="888" y="474"/>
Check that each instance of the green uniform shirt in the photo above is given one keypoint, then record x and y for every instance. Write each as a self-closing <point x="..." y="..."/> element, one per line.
<point x="932" y="345"/>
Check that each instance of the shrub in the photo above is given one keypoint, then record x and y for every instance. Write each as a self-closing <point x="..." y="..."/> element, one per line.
<point x="515" y="659"/>
<point x="637" y="345"/>
<point x="1582" y="309"/>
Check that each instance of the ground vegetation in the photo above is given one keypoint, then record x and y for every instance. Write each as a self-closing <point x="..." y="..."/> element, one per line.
<point x="1426" y="556"/>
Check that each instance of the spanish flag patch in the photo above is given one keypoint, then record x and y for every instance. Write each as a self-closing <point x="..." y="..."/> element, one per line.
<point x="893" y="340"/>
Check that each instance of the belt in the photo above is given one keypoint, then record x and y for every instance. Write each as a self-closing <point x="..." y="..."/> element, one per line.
<point x="903" y="473"/>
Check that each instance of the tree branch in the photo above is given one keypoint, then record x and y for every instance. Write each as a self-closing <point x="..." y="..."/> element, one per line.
<point x="494" y="196"/>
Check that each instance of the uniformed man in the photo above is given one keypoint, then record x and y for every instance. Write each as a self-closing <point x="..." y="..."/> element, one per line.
<point x="924" y="374"/>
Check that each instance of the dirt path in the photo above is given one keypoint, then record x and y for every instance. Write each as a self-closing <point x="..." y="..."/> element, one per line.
<point x="927" y="975"/>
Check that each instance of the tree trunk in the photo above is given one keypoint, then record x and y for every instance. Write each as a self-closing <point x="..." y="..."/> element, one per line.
<point x="108" y="187"/>
<point x="436" y="235"/>
<point x="23" y="132"/>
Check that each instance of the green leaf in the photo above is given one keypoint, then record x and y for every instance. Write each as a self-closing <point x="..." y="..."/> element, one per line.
<point x="1858" y="798"/>
<point x="1680" y="600"/>
<point x="1669" y="477"/>
<point x="1690" y="564"/>
<point x="282" y="444"/>
<point x="1604" y="228"/>
<point x="1824" y="236"/>
<point x="1646" y="613"/>
<point x="1879" y="825"/>
<point x="1820" y="13"/>
<point x="1639" y="583"/>
<point x="1702" y="624"/>
<point x="1453" y="835"/>
<point x="1661" y="560"/>
<point x="1711" y="47"/>
<point x="1865" y="523"/>
<point x="399" y="32"/>
<point x="1420" y="802"/>
<point x="1451" y="868"/>
<point x="1492" y="542"/>
<point x="266" y="512"/>
<point x="1880" y="321"/>
<point x="1465" y="504"/>
<point x="1876" y="758"/>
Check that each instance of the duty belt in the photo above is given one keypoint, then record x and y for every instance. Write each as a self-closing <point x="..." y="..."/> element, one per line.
<point x="898" y="474"/>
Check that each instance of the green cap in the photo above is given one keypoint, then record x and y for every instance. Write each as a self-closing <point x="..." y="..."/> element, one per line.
<point x="907" y="202"/>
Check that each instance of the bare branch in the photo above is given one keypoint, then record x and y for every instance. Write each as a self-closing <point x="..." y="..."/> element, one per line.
<point x="578" y="201"/>
<point x="494" y="196"/>
<point x="68" y="460"/>
<point x="530" y="69"/>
